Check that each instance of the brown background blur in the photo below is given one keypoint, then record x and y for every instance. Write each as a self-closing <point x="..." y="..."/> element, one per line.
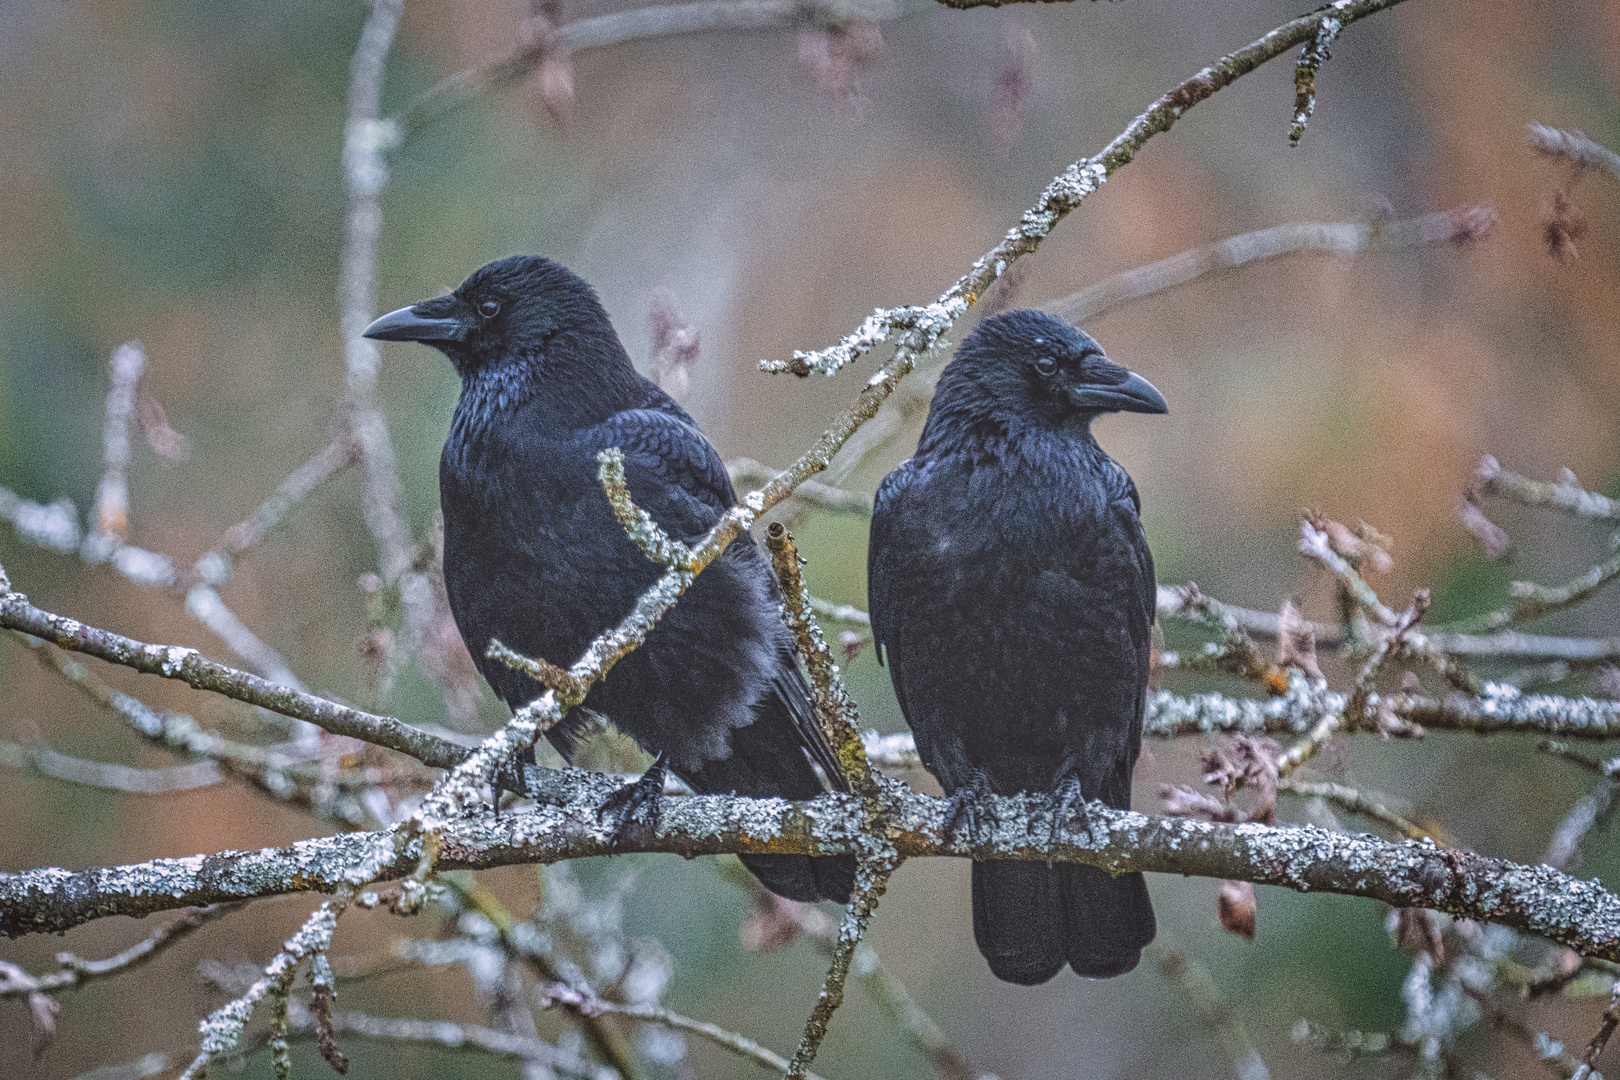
<point x="169" y="172"/>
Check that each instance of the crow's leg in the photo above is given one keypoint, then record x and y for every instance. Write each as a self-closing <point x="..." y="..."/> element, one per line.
<point x="512" y="776"/>
<point x="969" y="810"/>
<point x="635" y="801"/>
<point x="1068" y="805"/>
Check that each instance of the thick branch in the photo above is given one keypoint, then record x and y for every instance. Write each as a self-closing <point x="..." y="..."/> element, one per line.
<point x="1539" y="900"/>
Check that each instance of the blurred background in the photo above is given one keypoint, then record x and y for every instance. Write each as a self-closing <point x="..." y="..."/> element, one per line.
<point x="169" y="172"/>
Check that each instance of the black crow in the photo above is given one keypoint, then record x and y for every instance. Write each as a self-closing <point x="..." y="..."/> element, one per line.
<point x="1012" y="597"/>
<point x="534" y="556"/>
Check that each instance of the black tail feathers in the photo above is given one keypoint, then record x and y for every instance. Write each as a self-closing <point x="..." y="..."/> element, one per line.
<point x="1029" y="919"/>
<point x="766" y="761"/>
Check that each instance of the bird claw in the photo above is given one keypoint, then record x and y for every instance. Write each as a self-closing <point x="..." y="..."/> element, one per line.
<point x="965" y="809"/>
<point x="1068" y="805"/>
<point x="636" y="801"/>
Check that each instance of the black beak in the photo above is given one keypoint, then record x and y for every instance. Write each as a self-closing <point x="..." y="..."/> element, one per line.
<point x="432" y="320"/>
<point x="1135" y="394"/>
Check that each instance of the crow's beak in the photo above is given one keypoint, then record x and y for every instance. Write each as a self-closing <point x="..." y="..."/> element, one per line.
<point x="1135" y="394"/>
<point x="429" y="321"/>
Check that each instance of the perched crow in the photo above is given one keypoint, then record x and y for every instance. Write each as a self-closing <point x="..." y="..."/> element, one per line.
<point x="1012" y="596"/>
<point x="534" y="556"/>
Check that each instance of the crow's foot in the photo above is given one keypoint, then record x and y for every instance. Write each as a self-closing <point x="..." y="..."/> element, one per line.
<point x="969" y="811"/>
<point x="1068" y="804"/>
<point x="636" y="801"/>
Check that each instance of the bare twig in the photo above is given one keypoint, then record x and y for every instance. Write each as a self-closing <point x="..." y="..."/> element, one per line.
<point x="561" y="996"/>
<point x="1594" y="1049"/>
<point x="1531" y="601"/>
<point x="746" y="472"/>
<point x="459" y="1037"/>
<point x="1356" y="802"/>
<point x="534" y="951"/>
<point x="1574" y="147"/>
<point x="916" y="330"/>
<point x="191" y="667"/>
<point x="109" y="777"/>
<point x="1212" y="1010"/>
<point x="871" y="879"/>
<point x="1565" y="494"/>
<point x="76" y="971"/>
<point x="1338" y="238"/>
<point x="659" y="20"/>
<point x="111" y="515"/>
<point x="214" y="568"/>
<point x="839" y="720"/>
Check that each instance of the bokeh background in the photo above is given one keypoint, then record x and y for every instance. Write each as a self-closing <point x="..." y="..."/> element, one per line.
<point x="169" y="171"/>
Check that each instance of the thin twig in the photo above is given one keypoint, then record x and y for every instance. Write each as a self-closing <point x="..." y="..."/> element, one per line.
<point x="871" y="879"/>
<point x="109" y="777"/>
<point x="1356" y="802"/>
<point x="76" y="971"/>
<point x="1576" y="148"/>
<point x="839" y="720"/>
<point x="561" y="996"/>
<point x="191" y="667"/>
<point x="1461" y="225"/>
<point x="1212" y="1010"/>
<point x="580" y="35"/>
<point x="1594" y="1049"/>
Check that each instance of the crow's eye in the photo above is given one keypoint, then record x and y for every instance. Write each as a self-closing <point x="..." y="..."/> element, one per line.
<point x="489" y="308"/>
<point x="1046" y="365"/>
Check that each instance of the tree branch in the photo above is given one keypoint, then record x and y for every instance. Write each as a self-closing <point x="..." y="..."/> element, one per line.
<point x="1539" y="900"/>
<point x="1459" y="226"/>
<point x="617" y="28"/>
<point x="191" y="667"/>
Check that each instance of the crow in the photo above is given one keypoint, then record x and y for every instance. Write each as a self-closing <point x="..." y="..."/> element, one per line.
<point x="1012" y="598"/>
<point x="533" y="555"/>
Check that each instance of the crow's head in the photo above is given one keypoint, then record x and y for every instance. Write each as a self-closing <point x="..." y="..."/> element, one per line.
<point x="509" y="312"/>
<point x="1027" y="367"/>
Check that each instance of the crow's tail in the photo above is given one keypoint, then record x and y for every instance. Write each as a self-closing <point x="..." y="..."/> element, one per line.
<point x="767" y="760"/>
<point x="1030" y="918"/>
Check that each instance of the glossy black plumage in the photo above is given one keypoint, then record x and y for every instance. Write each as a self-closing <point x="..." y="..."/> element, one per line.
<point x="534" y="556"/>
<point x="1012" y="597"/>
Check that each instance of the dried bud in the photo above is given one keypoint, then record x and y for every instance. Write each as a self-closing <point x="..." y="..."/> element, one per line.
<point x="853" y="643"/>
<point x="42" y="1009"/>
<point x="153" y="425"/>
<point x="556" y="81"/>
<point x="1235" y="903"/>
<point x="1364" y="547"/>
<point x="1182" y="801"/>
<point x="776" y="923"/>
<point x="1013" y="82"/>
<point x="321" y="1000"/>
<point x="837" y="53"/>
<point x="675" y="345"/>
<point x="1563" y="225"/>
<point x="1492" y="537"/>
<point x="1296" y="641"/>
<point x="1419" y="930"/>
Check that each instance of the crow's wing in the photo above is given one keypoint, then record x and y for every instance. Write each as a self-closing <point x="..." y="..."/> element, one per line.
<point x="676" y="475"/>
<point x="672" y="471"/>
<point x="886" y="570"/>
